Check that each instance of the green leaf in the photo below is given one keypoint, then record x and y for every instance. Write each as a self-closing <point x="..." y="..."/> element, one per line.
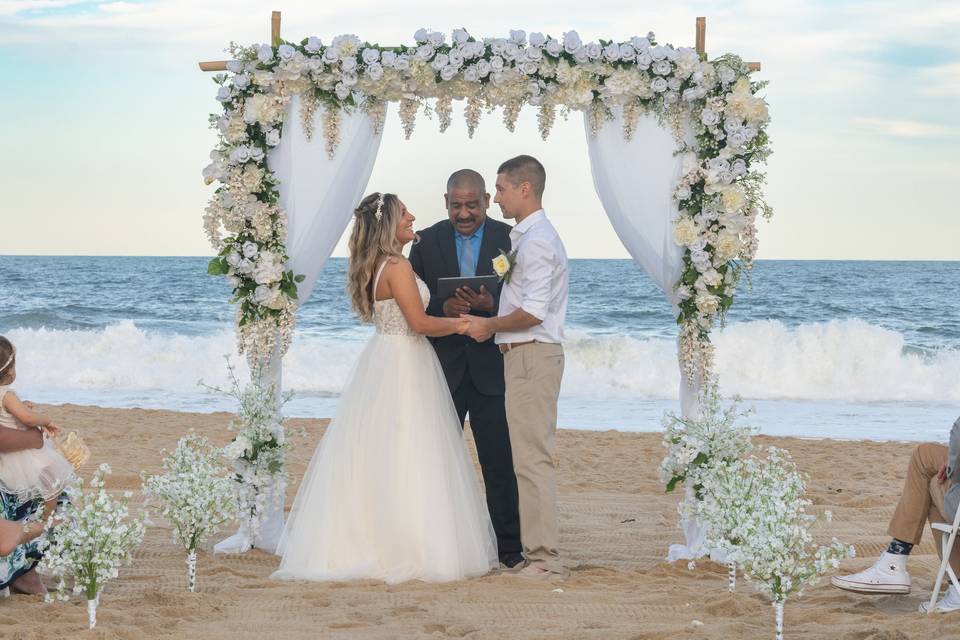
<point x="299" y="278"/>
<point x="218" y="267"/>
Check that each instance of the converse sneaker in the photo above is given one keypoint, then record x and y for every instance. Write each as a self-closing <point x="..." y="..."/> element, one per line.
<point x="949" y="602"/>
<point x="887" y="575"/>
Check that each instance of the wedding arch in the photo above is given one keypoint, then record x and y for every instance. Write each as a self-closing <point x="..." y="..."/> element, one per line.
<point x="675" y="144"/>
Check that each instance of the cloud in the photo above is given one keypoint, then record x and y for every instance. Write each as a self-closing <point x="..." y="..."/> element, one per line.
<point x="906" y="128"/>
<point x="943" y="80"/>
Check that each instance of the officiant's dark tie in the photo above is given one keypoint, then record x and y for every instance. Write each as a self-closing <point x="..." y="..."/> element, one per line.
<point x="468" y="263"/>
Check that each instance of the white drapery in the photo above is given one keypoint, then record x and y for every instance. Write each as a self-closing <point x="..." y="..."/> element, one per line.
<point x="318" y="194"/>
<point x="635" y="180"/>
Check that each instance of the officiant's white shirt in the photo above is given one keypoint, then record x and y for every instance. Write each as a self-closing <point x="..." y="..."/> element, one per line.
<point x="539" y="281"/>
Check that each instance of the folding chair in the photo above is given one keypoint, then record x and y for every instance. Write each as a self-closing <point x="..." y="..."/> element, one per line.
<point x="948" y="537"/>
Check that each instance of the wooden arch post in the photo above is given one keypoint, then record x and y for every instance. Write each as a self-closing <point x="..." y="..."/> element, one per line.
<point x="701" y="40"/>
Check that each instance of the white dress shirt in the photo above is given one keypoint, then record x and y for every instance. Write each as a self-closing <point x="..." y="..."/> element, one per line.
<point x="538" y="282"/>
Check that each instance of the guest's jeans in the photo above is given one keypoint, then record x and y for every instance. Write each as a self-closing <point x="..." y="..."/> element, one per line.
<point x="922" y="500"/>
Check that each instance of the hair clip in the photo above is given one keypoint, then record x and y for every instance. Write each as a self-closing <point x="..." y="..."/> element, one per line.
<point x="379" y="212"/>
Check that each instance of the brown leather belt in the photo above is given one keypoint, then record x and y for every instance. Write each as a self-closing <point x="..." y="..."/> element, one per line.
<point x="506" y="346"/>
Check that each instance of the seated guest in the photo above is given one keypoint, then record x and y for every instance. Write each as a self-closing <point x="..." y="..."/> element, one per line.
<point x="931" y="493"/>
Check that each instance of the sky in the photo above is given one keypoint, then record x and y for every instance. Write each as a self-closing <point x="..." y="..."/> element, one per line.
<point x="105" y="111"/>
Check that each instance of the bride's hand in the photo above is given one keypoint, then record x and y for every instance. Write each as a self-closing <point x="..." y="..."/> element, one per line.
<point x="463" y="325"/>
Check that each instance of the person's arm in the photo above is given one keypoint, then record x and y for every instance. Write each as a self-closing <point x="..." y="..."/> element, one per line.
<point x="23" y="413"/>
<point x="15" y="440"/>
<point x="403" y="288"/>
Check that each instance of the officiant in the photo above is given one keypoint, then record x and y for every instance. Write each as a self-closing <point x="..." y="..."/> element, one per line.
<point x="464" y="245"/>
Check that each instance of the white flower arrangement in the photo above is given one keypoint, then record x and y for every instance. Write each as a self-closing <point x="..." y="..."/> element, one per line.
<point x="756" y="510"/>
<point x="718" y="194"/>
<point x="695" y="446"/>
<point x="258" y="451"/>
<point x="88" y="540"/>
<point x="194" y="494"/>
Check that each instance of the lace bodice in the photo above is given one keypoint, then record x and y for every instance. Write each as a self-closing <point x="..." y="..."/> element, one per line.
<point x="387" y="316"/>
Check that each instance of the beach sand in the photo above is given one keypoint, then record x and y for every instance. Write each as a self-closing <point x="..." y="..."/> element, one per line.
<point x="616" y="525"/>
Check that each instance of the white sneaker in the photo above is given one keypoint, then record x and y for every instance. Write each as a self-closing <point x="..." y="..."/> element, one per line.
<point x="887" y="575"/>
<point x="949" y="602"/>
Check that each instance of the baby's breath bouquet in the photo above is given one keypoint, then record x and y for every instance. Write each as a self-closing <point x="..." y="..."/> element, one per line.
<point x="258" y="451"/>
<point x="756" y="510"/>
<point x="89" y="539"/>
<point x="194" y="494"/>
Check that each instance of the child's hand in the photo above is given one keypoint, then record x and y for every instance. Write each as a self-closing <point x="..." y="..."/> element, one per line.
<point x="51" y="429"/>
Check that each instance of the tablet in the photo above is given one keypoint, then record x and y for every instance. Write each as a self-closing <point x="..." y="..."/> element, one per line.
<point x="447" y="287"/>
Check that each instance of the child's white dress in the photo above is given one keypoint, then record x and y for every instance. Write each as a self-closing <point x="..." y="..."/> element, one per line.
<point x="32" y="473"/>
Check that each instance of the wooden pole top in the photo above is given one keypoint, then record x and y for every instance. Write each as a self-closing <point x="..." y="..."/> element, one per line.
<point x="702" y="35"/>
<point x="275" y="28"/>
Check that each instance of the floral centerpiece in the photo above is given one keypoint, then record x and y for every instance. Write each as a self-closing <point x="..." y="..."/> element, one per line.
<point x="194" y="494"/>
<point x="89" y="538"/>
<point x="756" y="510"/>
<point x="718" y="195"/>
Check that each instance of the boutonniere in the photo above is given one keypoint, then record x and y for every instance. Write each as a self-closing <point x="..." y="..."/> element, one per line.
<point x="503" y="265"/>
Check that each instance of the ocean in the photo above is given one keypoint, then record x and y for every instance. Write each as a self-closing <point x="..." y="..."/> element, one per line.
<point x="835" y="349"/>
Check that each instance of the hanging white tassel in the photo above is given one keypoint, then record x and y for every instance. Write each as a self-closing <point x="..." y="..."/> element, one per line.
<point x="92" y="611"/>
<point x="731" y="576"/>
<point x="192" y="571"/>
<point x="778" y="611"/>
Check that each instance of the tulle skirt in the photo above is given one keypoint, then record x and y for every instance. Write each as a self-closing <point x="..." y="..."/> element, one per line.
<point x="35" y="473"/>
<point x="391" y="493"/>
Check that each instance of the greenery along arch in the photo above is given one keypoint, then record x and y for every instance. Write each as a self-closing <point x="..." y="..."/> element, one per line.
<point x="718" y="194"/>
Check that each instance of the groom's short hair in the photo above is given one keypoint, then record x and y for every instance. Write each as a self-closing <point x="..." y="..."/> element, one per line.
<point x="465" y="179"/>
<point x="525" y="169"/>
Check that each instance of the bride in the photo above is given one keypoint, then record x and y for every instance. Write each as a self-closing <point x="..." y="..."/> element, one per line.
<point x="390" y="493"/>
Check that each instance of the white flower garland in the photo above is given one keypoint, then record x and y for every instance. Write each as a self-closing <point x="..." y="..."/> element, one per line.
<point x="258" y="451"/>
<point x="719" y="193"/>
<point x="194" y="494"/>
<point x="88" y="540"/>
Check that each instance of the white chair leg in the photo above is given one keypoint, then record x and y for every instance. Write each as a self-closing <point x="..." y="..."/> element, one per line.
<point x="947" y="547"/>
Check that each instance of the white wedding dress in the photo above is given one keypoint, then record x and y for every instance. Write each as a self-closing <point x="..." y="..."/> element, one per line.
<point x="391" y="493"/>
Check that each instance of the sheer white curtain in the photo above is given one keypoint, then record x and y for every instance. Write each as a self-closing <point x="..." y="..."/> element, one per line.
<point x="635" y="180"/>
<point x="319" y="194"/>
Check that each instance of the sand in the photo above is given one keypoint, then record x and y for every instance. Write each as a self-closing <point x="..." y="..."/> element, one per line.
<point x="616" y="525"/>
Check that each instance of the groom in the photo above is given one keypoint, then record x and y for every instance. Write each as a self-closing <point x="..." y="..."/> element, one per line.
<point x="529" y="330"/>
<point x="465" y="245"/>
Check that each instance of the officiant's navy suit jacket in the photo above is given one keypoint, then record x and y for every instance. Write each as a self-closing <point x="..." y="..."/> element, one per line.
<point x="434" y="257"/>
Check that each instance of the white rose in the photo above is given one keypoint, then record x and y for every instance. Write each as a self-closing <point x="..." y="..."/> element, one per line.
<point x="612" y="52"/>
<point x="240" y="155"/>
<point x="496" y="63"/>
<point x="726" y="74"/>
<point x="484" y="68"/>
<point x="348" y="64"/>
<point x="374" y="71"/>
<point x="644" y="60"/>
<point x="580" y="55"/>
<point x="658" y="52"/>
<point x="285" y="52"/>
<point x="440" y="61"/>
<point x="640" y="44"/>
<point x="511" y="51"/>
<point x="456" y="58"/>
<point x="497" y="77"/>
<point x="349" y="79"/>
<point x="460" y="36"/>
<point x="529" y="68"/>
<point x="241" y="81"/>
<point x="737" y="139"/>
<point x="534" y="54"/>
<point x="685" y="231"/>
<point x="709" y="117"/>
<point x="554" y="48"/>
<point x="331" y="55"/>
<point x="342" y="91"/>
<point x="498" y="46"/>
<point x="594" y="50"/>
<point x="268" y="269"/>
<point x="402" y="63"/>
<point x="683" y="293"/>
<point x="627" y="52"/>
<point x="313" y="44"/>
<point x="470" y="74"/>
<point x="519" y="36"/>
<point x="388" y="58"/>
<point x="728" y="245"/>
<point x="712" y="278"/>
<point x="537" y="39"/>
<point x="707" y="303"/>
<point x="261" y="294"/>
<point x="659" y="84"/>
<point x="265" y="53"/>
<point x="420" y="35"/>
<point x="436" y="38"/>
<point x="501" y="265"/>
<point x="273" y="137"/>
<point x="739" y="167"/>
<point x="662" y="68"/>
<point x="233" y="259"/>
<point x="448" y="73"/>
<point x="571" y="41"/>
<point x="223" y="93"/>
<point x="244" y="266"/>
<point x="235" y="66"/>
<point x="424" y="52"/>
<point x="250" y="250"/>
<point x="234" y="281"/>
<point x="682" y="192"/>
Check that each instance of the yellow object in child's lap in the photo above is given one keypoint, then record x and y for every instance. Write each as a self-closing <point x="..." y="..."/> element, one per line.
<point x="73" y="449"/>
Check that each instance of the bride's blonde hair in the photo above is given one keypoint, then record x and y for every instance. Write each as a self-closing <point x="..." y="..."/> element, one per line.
<point x="373" y="239"/>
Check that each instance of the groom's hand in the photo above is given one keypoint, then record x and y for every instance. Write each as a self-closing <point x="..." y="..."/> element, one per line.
<point x="482" y="301"/>
<point x="454" y="307"/>
<point x="479" y="329"/>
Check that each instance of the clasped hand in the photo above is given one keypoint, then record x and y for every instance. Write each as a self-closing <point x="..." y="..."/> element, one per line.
<point x="476" y="327"/>
<point x="465" y="300"/>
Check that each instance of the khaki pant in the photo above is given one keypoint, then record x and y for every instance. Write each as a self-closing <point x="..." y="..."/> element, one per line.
<point x="532" y="373"/>
<point x="922" y="500"/>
